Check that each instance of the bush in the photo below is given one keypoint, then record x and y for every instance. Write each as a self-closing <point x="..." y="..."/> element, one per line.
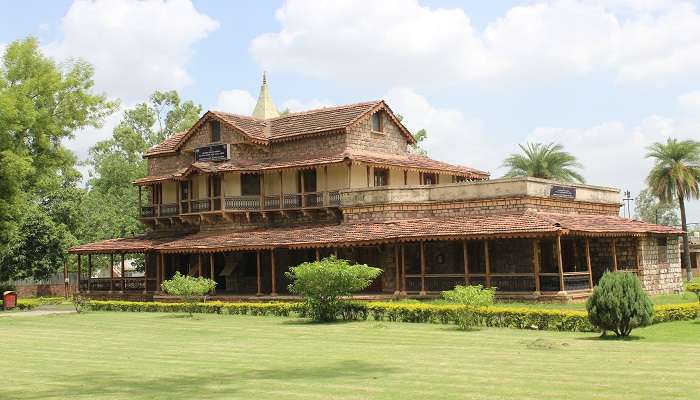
<point x="470" y="297"/>
<point x="7" y="287"/>
<point x="323" y="283"/>
<point x="189" y="288"/>
<point x="619" y="304"/>
<point x="693" y="287"/>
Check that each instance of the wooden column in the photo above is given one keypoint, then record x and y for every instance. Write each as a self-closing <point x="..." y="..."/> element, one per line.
<point x="162" y="272"/>
<point x="199" y="265"/>
<point x="258" y="273"/>
<point x="326" y="195"/>
<point x="335" y="252"/>
<point x="588" y="262"/>
<point x="89" y="285"/>
<point x="397" y="266"/>
<point x="560" y="265"/>
<point x="178" y="190"/>
<point x="222" y="187"/>
<point x="465" y="256"/>
<point x="281" y="190"/>
<point x="140" y="204"/>
<point x="262" y="191"/>
<point x="301" y="180"/>
<point x="349" y="175"/>
<point x="575" y="256"/>
<point x="158" y="261"/>
<point x="145" y="272"/>
<point x="77" y="288"/>
<point x="536" y="263"/>
<point x="422" y="268"/>
<point x="318" y="254"/>
<point x="405" y="177"/>
<point x="111" y="272"/>
<point x="274" y="273"/>
<point x="369" y="168"/>
<point x="123" y="275"/>
<point x="403" y="269"/>
<point x="614" y="254"/>
<point x="66" y="280"/>
<point x="487" y="259"/>
<point x="211" y="270"/>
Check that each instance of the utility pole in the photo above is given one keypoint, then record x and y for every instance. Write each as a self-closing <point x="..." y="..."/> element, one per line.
<point x="627" y="199"/>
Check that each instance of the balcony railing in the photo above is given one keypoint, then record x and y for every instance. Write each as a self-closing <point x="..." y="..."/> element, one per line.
<point x="288" y="201"/>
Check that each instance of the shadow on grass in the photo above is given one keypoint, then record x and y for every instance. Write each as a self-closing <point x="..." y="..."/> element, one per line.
<point x="216" y="384"/>
<point x="304" y="321"/>
<point x="613" y="338"/>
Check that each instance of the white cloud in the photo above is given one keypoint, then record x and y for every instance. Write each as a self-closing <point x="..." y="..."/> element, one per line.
<point x="296" y="105"/>
<point x="235" y="101"/>
<point x="690" y="102"/>
<point x="135" y="46"/>
<point x="400" y="42"/>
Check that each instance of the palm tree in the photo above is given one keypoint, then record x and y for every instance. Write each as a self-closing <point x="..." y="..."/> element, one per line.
<point x="547" y="161"/>
<point x="676" y="175"/>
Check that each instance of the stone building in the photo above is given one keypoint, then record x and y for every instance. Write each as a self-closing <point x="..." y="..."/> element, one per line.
<point x="240" y="199"/>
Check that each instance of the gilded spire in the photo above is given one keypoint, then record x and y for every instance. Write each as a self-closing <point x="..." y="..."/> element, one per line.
<point x="265" y="108"/>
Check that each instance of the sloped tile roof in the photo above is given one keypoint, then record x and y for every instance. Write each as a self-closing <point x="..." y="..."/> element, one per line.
<point x="167" y="146"/>
<point x="607" y="224"/>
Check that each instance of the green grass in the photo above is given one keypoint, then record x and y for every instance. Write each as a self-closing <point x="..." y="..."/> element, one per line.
<point x="166" y="356"/>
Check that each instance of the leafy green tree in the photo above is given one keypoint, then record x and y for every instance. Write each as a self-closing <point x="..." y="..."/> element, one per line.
<point x="37" y="250"/>
<point x="189" y="288"/>
<point x="648" y="207"/>
<point x="118" y="161"/>
<point x="419" y="136"/>
<point x="41" y="104"/>
<point x="471" y="297"/>
<point x="546" y="161"/>
<point x="676" y="174"/>
<point x="323" y="283"/>
<point x="619" y="304"/>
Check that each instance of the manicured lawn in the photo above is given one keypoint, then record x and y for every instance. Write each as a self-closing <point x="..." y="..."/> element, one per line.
<point x="164" y="356"/>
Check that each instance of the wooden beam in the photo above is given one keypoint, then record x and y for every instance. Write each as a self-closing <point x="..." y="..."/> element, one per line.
<point x="123" y="275"/>
<point x="281" y="190"/>
<point x="588" y="263"/>
<point x="211" y="270"/>
<point x="89" y="285"/>
<point x="403" y="269"/>
<point x="397" y="267"/>
<point x="422" y="268"/>
<point x="465" y="256"/>
<point x="487" y="262"/>
<point x="274" y="273"/>
<point x="111" y="272"/>
<point x="77" y="288"/>
<point x="536" y="263"/>
<point x="258" y="273"/>
<point x="560" y="265"/>
<point x="614" y="254"/>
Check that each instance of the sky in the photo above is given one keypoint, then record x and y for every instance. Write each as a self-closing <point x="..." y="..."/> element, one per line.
<point x="605" y="78"/>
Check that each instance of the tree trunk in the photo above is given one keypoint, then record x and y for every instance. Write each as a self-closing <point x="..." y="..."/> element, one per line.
<point x="686" y="246"/>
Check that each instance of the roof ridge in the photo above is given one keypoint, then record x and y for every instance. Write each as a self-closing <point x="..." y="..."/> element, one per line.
<point x="314" y="110"/>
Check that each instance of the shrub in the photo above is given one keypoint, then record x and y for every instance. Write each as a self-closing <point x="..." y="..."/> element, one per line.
<point x="79" y="303"/>
<point x="470" y="297"/>
<point x="7" y="286"/>
<point x="323" y="283"/>
<point x="619" y="304"/>
<point x="693" y="287"/>
<point x="189" y="288"/>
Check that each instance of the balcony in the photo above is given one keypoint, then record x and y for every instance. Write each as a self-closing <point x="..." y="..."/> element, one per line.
<point x="284" y="202"/>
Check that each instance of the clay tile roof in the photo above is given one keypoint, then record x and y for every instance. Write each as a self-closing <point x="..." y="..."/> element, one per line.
<point x="134" y="244"/>
<point x="414" y="161"/>
<point x="167" y="146"/>
<point x="606" y="224"/>
<point x="255" y="129"/>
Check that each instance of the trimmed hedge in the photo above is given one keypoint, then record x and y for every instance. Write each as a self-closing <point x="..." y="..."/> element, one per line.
<point x="676" y="312"/>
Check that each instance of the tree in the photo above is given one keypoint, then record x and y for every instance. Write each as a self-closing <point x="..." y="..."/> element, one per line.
<point x="546" y="161"/>
<point x="37" y="249"/>
<point x="619" y="304"/>
<point x="419" y="137"/>
<point x="322" y="283"/>
<point x="648" y="208"/>
<point x="676" y="174"/>
<point x="189" y="288"/>
<point x="41" y="105"/>
<point x="118" y="161"/>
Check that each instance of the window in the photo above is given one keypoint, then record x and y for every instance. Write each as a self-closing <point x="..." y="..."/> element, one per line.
<point x="157" y="194"/>
<point x="662" y="249"/>
<point x="309" y="181"/>
<point x="250" y="184"/>
<point x="214" y="186"/>
<point x="215" y="127"/>
<point x="184" y="190"/>
<point x="381" y="177"/>
<point x="429" y="179"/>
<point x="377" y="122"/>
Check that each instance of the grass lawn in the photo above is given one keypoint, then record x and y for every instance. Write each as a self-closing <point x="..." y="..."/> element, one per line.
<point x="165" y="356"/>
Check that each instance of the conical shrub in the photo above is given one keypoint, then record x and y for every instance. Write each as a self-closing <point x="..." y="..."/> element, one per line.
<point x="619" y="304"/>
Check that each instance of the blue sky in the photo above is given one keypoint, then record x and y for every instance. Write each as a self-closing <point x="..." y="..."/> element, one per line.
<point x="603" y="77"/>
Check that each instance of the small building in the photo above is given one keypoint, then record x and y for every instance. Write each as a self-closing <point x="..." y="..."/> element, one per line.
<point x="241" y="199"/>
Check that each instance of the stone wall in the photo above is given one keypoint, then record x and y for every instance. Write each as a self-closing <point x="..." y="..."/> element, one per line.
<point x="37" y="290"/>
<point x="391" y="140"/>
<point x="659" y="275"/>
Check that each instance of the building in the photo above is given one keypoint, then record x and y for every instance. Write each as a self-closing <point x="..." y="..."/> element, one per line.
<point x="240" y="199"/>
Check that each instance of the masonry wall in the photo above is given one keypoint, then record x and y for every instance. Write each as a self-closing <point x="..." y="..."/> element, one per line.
<point x="391" y="140"/>
<point x="659" y="275"/>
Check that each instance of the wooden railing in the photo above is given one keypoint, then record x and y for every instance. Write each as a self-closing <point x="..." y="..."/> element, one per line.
<point x="131" y="283"/>
<point x="148" y="211"/>
<point x="168" y="209"/>
<point x="200" y="205"/>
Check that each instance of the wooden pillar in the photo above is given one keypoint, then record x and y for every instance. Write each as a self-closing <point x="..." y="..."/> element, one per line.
<point x="89" y="279"/>
<point x="536" y="263"/>
<point x="274" y="273"/>
<point x="199" y="265"/>
<point x="487" y="259"/>
<point x="281" y="190"/>
<point x="178" y="190"/>
<point x="211" y="270"/>
<point x="262" y="191"/>
<point x="405" y="177"/>
<point x="560" y="265"/>
<point x="369" y="168"/>
<point x="145" y="272"/>
<point x="77" y="288"/>
<point x="162" y="272"/>
<point x="335" y="252"/>
<point x="614" y="254"/>
<point x="588" y="262"/>
<point x="158" y="260"/>
<point x="422" y="268"/>
<point x="403" y="269"/>
<point x="349" y="175"/>
<point x="123" y="275"/>
<point x="65" y="277"/>
<point x="465" y="256"/>
<point x="111" y="272"/>
<point x="301" y="180"/>
<point x="222" y="187"/>
<point x="318" y="254"/>
<point x="258" y="273"/>
<point x="397" y="266"/>
<point x="326" y="195"/>
<point x="140" y="204"/>
<point x="575" y="255"/>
